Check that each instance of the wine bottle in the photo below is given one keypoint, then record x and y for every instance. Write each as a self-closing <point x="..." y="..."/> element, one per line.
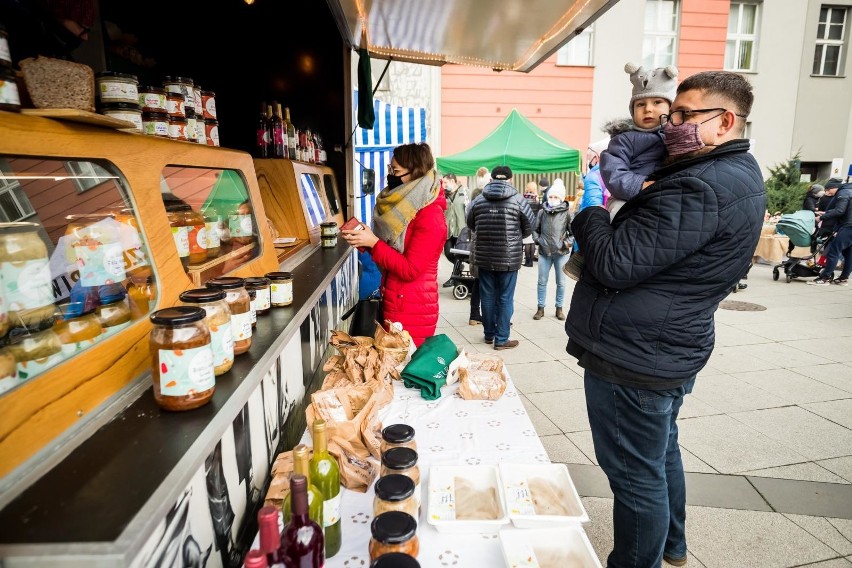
<point x="270" y="536"/>
<point x="291" y="134"/>
<point x="262" y="146"/>
<point x="285" y="139"/>
<point x="315" y="499"/>
<point x="255" y="559"/>
<point x="270" y="135"/>
<point x="277" y="132"/>
<point x="302" y="539"/>
<point x="326" y="477"/>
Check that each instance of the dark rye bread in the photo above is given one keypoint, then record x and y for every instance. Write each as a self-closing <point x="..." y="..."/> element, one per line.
<point x="56" y="83"/>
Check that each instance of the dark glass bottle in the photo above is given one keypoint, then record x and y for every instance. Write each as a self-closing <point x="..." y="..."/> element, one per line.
<point x="292" y="142"/>
<point x="302" y="540"/>
<point x="270" y="133"/>
<point x="262" y="144"/>
<point x="270" y="537"/>
<point x="285" y="140"/>
<point x="277" y="129"/>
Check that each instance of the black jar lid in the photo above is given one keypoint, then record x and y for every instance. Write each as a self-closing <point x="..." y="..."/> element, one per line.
<point x="399" y="458"/>
<point x="279" y="275"/>
<point x="328" y="224"/>
<point x="152" y="89"/>
<point x="398" y="433"/>
<point x="116" y="75"/>
<point x="207" y="93"/>
<point x="155" y="115"/>
<point x="257" y="282"/>
<point x="395" y="560"/>
<point x="393" y="527"/>
<point x="211" y="121"/>
<point x="202" y="295"/>
<point x="226" y="282"/>
<point x="111" y="293"/>
<point x="175" y="79"/>
<point x="178" y="315"/>
<point x="120" y="106"/>
<point x="174" y="95"/>
<point x="18" y="227"/>
<point x="394" y="487"/>
<point x="173" y="118"/>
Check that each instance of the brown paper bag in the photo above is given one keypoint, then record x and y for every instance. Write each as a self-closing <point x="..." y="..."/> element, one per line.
<point x="357" y="470"/>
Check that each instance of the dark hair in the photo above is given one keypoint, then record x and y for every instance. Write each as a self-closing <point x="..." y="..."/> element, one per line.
<point x="451" y="176"/>
<point x="731" y="86"/>
<point x="501" y="172"/>
<point x="415" y="157"/>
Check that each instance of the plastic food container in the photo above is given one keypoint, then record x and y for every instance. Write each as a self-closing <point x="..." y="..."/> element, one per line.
<point x="535" y="493"/>
<point x="444" y="498"/>
<point x="545" y="548"/>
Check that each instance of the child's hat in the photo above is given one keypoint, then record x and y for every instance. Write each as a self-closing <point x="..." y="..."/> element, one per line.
<point x="557" y="189"/>
<point x="660" y="82"/>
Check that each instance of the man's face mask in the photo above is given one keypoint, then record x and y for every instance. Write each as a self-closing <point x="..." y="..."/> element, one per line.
<point x="682" y="139"/>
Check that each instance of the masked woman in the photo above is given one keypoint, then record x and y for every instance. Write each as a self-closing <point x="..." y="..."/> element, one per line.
<point x="407" y="239"/>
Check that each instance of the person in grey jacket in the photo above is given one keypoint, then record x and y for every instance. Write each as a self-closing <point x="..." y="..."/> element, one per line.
<point x="552" y="233"/>
<point x="501" y="218"/>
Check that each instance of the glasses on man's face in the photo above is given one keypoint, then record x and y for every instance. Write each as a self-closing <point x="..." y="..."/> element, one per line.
<point x="678" y="117"/>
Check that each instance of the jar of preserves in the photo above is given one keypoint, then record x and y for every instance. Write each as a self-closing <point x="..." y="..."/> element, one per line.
<point x="114" y="309"/>
<point x="238" y="300"/>
<point x="135" y="260"/>
<point x="214" y="227"/>
<point x="197" y="235"/>
<point x="211" y="130"/>
<point x="328" y="234"/>
<point x="394" y="492"/>
<point x="393" y="531"/>
<point x="252" y="306"/>
<point x="5" y="53"/>
<point x="152" y="99"/>
<point x="262" y="286"/>
<point x="142" y="293"/>
<point x="180" y="232"/>
<point x="181" y="358"/>
<point x="395" y="560"/>
<point x="240" y="224"/>
<point x="10" y="98"/>
<point x="200" y="131"/>
<point x="117" y="87"/>
<point x="208" y="104"/>
<point x="218" y="320"/>
<point x="182" y="86"/>
<point x="191" y="132"/>
<point x="77" y="330"/>
<point x="25" y="275"/>
<point x="93" y="242"/>
<point x="199" y="106"/>
<point x="404" y="462"/>
<point x="175" y="105"/>
<point x="129" y="112"/>
<point x="8" y="370"/>
<point x="398" y="436"/>
<point x="36" y="349"/>
<point x="155" y="124"/>
<point x="280" y="288"/>
<point x="177" y="128"/>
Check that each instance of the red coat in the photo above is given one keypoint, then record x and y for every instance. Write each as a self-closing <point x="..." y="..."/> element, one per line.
<point x="410" y="279"/>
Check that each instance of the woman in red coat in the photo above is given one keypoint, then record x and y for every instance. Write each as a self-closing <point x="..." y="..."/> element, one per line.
<point x="407" y="239"/>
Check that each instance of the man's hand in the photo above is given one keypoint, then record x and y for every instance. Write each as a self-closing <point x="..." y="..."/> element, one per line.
<point x="364" y="238"/>
<point x="646" y="184"/>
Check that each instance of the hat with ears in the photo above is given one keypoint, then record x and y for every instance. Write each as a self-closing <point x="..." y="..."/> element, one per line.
<point x="660" y="82"/>
<point x="501" y="172"/>
<point x="557" y="189"/>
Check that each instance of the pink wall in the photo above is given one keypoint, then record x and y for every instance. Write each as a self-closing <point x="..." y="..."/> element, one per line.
<point x="703" y="30"/>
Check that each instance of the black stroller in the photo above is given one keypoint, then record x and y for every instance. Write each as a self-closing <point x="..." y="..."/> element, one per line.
<point x="799" y="227"/>
<point x="462" y="276"/>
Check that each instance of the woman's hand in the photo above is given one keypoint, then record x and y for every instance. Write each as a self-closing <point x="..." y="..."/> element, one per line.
<point x="363" y="238"/>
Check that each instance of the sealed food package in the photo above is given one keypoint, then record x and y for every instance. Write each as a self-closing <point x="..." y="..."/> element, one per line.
<point x="357" y="471"/>
<point x="482" y="385"/>
<point x="482" y="362"/>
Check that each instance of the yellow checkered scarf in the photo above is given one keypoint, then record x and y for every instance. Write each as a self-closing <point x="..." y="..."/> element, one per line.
<point x="395" y="208"/>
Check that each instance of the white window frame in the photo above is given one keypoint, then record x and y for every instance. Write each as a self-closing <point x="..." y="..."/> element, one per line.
<point x="652" y="58"/>
<point x="85" y="176"/>
<point x="13" y="188"/>
<point x="824" y="42"/>
<point x="738" y="37"/>
<point x="579" y="51"/>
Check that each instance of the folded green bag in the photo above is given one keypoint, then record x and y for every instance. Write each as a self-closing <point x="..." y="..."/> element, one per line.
<point x="427" y="369"/>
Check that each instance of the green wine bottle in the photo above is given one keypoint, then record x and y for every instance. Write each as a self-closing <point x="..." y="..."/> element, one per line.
<point x="315" y="499"/>
<point x="326" y="476"/>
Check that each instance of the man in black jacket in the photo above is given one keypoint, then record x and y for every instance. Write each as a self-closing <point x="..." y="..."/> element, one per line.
<point x="641" y="316"/>
<point x="839" y="214"/>
<point x="501" y="219"/>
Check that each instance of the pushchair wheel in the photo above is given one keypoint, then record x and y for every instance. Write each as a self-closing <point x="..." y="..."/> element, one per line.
<point x="461" y="291"/>
<point x="789" y="278"/>
<point x="776" y="274"/>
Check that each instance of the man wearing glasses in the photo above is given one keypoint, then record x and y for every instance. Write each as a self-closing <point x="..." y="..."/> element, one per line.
<point x="641" y="319"/>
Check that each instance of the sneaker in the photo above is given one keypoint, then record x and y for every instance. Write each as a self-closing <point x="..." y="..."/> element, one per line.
<point x="449" y="283"/>
<point x="574" y="267"/>
<point x="674" y="561"/>
<point x="512" y="343"/>
<point x="841" y="282"/>
<point x="489" y="340"/>
<point x="474" y="321"/>
<point x="820" y="281"/>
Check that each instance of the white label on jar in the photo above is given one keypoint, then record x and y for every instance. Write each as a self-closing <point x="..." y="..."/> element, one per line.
<point x="177" y="130"/>
<point x="5" y="54"/>
<point x="212" y="233"/>
<point x="100" y="264"/>
<point x="214" y="135"/>
<point x="331" y="511"/>
<point x="175" y="107"/>
<point x="222" y="340"/>
<point x="118" y="92"/>
<point x="241" y="326"/>
<point x="417" y="493"/>
<point x="240" y="225"/>
<point x="253" y="310"/>
<point x="181" y="236"/>
<point x="200" y="132"/>
<point x="191" y="128"/>
<point x="210" y="107"/>
<point x="201" y="237"/>
<point x="282" y="294"/>
<point x="197" y="98"/>
<point x="27" y="284"/>
<point x="186" y="371"/>
<point x="29" y="369"/>
<point x="9" y="93"/>
<point x="262" y="301"/>
<point x="127" y="115"/>
<point x="152" y="101"/>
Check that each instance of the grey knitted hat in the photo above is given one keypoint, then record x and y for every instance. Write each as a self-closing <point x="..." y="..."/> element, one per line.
<point x="660" y="82"/>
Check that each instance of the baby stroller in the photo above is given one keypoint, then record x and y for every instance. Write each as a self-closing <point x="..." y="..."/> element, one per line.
<point x="800" y="228"/>
<point x="460" y="256"/>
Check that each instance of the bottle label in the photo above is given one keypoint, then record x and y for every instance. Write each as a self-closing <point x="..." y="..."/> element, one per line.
<point x="240" y="225"/>
<point x="262" y="135"/>
<point x="222" y="340"/>
<point x="278" y="134"/>
<point x="186" y="371"/>
<point x="29" y="369"/>
<point x="241" y="326"/>
<point x="331" y="511"/>
<point x="100" y="264"/>
<point x="197" y="239"/>
<point x="181" y="237"/>
<point x="282" y="294"/>
<point x="212" y="233"/>
<point x="26" y="284"/>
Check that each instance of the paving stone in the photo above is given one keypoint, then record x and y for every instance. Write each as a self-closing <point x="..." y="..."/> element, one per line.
<point x="806" y="433"/>
<point x="784" y="355"/>
<point x="806" y="498"/>
<point x="545" y="376"/>
<point x="791" y="387"/>
<point x="583" y="441"/>
<point x="738" y="359"/>
<point x="838" y="411"/>
<point x="828" y="530"/>
<point x="838" y="375"/>
<point x="728" y="394"/>
<point x="561" y="450"/>
<point x="808" y="471"/>
<point x="693" y="407"/>
<point x="723" y="491"/>
<point x="542" y="424"/>
<point x="566" y="409"/>
<point x="840" y="466"/>
<point x="731" y="335"/>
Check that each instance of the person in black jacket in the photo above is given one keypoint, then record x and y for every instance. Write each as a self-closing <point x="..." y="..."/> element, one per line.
<point x="641" y="319"/>
<point x="812" y="197"/>
<point x="501" y="219"/>
<point x="840" y="214"/>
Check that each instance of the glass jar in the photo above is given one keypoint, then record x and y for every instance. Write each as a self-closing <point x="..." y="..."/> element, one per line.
<point x="117" y="87"/>
<point x="114" y="309"/>
<point x="25" y="275"/>
<point x="262" y="286"/>
<point x="93" y="243"/>
<point x="77" y="329"/>
<point x="190" y="125"/>
<point x="211" y="131"/>
<point x="395" y="560"/>
<point x="394" y="492"/>
<point x="181" y="358"/>
<point x="182" y="86"/>
<point x="328" y="234"/>
<point x="196" y="228"/>
<point x="152" y="99"/>
<point x="398" y="436"/>
<point x="240" y="304"/>
<point x="180" y="232"/>
<point x="208" y="104"/>
<point x="175" y="105"/>
<point x="8" y="370"/>
<point x="36" y="349"/>
<point x="213" y="226"/>
<point x="240" y="225"/>
<point x="142" y="293"/>
<point x="128" y="112"/>
<point x="10" y="98"/>
<point x="402" y="461"/>
<point x="280" y="288"/>
<point x="252" y="306"/>
<point x="218" y="320"/>
<point x="177" y="128"/>
<point x="393" y="531"/>
<point x="155" y="123"/>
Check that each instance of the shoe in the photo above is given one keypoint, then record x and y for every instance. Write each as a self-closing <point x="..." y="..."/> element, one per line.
<point x="512" y="343"/>
<point x="841" y="282"/>
<point x="488" y="340"/>
<point x="474" y="321"/>
<point x="674" y="561"/>
<point x="560" y="315"/>
<point x="449" y="283"/>
<point x="742" y="286"/>
<point x="820" y="281"/>
<point x="539" y="313"/>
<point x="574" y="267"/>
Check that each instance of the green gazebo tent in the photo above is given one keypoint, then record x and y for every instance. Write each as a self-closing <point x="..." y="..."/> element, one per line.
<point x="517" y="143"/>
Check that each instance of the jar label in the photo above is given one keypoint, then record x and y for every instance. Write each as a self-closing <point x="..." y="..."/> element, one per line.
<point x="152" y="101"/>
<point x="240" y="225"/>
<point x="210" y="108"/>
<point x="242" y="326"/>
<point x="198" y="99"/>
<point x="212" y="235"/>
<point x="253" y="311"/>
<point x="282" y="294"/>
<point x="69" y="349"/>
<point x="213" y="135"/>
<point x="29" y="369"/>
<point x="9" y="93"/>
<point x="222" y="340"/>
<point x="331" y="510"/>
<point x="181" y="237"/>
<point x="197" y="239"/>
<point x="175" y="107"/>
<point x="191" y="129"/>
<point x="118" y="91"/>
<point x="177" y="130"/>
<point x="262" y="301"/>
<point x="100" y="264"/>
<point x="5" y="54"/>
<point x="200" y="132"/>
<point x="113" y="329"/>
<point x="186" y="371"/>
<point x="27" y="284"/>
<point x="155" y="127"/>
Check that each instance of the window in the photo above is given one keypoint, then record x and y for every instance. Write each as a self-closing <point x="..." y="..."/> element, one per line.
<point x="578" y="51"/>
<point x="14" y="204"/>
<point x="741" y="46"/>
<point x="87" y="175"/>
<point x="830" y="37"/>
<point x="660" y="42"/>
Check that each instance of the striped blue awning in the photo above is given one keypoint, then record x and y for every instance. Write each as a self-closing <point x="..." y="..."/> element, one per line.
<point x="311" y="198"/>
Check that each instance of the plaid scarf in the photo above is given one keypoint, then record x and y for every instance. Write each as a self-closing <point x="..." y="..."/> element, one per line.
<point x="395" y="208"/>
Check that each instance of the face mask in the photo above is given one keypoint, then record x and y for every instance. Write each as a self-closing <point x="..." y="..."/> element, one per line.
<point x="553" y="202"/>
<point x="681" y="139"/>
<point x="394" y="181"/>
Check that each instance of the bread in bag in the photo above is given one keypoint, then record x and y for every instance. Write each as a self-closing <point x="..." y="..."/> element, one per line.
<point x="56" y="83"/>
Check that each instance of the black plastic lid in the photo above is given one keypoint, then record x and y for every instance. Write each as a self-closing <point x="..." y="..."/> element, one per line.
<point x="398" y="433"/>
<point x="399" y="458"/>
<point x="207" y="93"/>
<point x="116" y="75"/>
<point x="18" y="227"/>
<point x="393" y="527"/>
<point x="257" y="282"/>
<point x="395" y="560"/>
<point x="155" y="115"/>
<point x="226" y="282"/>
<point x="178" y="315"/>
<point x="202" y="295"/>
<point x="177" y="119"/>
<point x="152" y="89"/>
<point x="119" y="106"/>
<point x="276" y="275"/>
<point x="174" y="79"/>
<point x="175" y="95"/>
<point x="394" y="487"/>
<point x="190" y="112"/>
<point x="212" y="121"/>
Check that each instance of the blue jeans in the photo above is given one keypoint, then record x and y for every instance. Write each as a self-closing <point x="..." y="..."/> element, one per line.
<point x="497" y="294"/>
<point x="544" y="264"/>
<point x="840" y="245"/>
<point x="635" y="436"/>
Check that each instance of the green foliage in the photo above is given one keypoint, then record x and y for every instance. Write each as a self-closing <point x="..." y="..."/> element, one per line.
<point x="784" y="191"/>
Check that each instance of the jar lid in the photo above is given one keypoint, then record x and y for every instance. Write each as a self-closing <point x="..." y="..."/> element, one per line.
<point x="115" y="75"/>
<point x="174" y="95"/>
<point x="121" y="106"/>
<point x="178" y="315"/>
<point x="393" y="527"/>
<point x="111" y="293"/>
<point x="208" y="94"/>
<point x="177" y="119"/>
<point x="190" y="112"/>
<point x="398" y="433"/>
<point x="395" y="560"/>
<point x="279" y="275"/>
<point x="18" y="227"/>
<point x="154" y="115"/>
<point x="226" y="282"/>
<point x="399" y="458"/>
<point x="211" y="121"/>
<point x="152" y="89"/>
<point x="328" y="224"/>
<point x="394" y="487"/>
<point x="174" y="79"/>
<point x="201" y="295"/>
<point x="74" y="309"/>
<point x="257" y="282"/>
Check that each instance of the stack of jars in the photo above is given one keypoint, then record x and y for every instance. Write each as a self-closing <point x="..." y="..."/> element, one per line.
<point x="191" y="111"/>
<point x="118" y="97"/>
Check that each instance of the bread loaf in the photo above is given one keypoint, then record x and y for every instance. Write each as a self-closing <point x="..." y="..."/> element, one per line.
<point x="56" y="83"/>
